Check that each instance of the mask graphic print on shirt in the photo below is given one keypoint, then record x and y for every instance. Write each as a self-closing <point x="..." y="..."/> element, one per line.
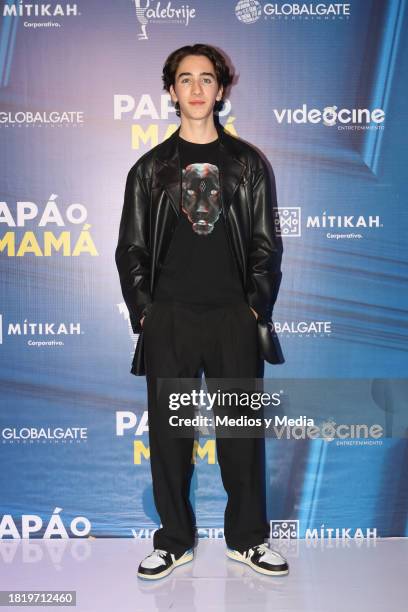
<point x="201" y="196"/>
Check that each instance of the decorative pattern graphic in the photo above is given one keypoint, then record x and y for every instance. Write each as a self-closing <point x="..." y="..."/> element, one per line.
<point x="201" y="196"/>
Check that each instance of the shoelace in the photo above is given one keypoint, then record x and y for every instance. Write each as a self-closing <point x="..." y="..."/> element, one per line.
<point x="159" y="552"/>
<point x="265" y="549"/>
<point x="261" y="547"/>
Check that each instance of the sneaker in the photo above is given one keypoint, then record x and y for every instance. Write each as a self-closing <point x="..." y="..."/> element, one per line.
<point x="160" y="563"/>
<point x="262" y="559"/>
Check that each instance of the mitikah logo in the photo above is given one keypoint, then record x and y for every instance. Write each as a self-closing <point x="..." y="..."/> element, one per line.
<point x="40" y="15"/>
<point x="148" y="12"/>
<point x="288" y="529"/>
<point x="288" y="223"/>
<point x="33" y="329"/>
<point x="40" y="9"/>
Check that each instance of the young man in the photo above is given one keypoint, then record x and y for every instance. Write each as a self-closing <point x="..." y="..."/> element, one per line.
<point x="199" y="265"/>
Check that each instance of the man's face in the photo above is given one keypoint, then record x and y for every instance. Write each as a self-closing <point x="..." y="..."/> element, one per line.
<point x="195" y="81"/>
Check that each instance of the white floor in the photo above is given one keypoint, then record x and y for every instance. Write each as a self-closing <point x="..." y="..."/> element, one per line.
<point x="324" y="576"/>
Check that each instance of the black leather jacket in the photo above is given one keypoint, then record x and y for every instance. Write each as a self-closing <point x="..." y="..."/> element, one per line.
<point x="150" y="213"/>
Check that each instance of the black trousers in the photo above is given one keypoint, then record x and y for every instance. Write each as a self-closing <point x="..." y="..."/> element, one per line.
<point x="182" y="341"/>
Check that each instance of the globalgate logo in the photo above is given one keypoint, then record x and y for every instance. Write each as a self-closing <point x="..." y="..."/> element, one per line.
<point x="44" y="434"/>
<point x="303" y="328"/>
<point x="249" y="11"/>
<point x="37" y="118"/>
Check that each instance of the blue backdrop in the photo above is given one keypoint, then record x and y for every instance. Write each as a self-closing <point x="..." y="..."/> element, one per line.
<point x="320" y="90"/>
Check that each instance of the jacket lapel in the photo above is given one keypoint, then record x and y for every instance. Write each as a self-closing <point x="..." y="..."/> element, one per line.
<point x="167" y="172"/>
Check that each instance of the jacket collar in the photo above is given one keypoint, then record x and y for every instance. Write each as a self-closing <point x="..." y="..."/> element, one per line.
<point x="167" y="173"/>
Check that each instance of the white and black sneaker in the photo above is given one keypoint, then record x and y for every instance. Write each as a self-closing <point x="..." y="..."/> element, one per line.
<point x="160" y="563"/>
<point x="262" y="559"/>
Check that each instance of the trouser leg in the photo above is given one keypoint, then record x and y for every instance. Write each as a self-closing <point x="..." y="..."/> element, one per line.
<point x="170" y="348"/>
<point x="231" y="351"/>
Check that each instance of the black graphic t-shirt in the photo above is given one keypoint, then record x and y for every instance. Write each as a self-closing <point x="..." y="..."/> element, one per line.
<point x="199" y="267"/>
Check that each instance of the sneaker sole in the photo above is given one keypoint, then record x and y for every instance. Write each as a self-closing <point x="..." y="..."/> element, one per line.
<point x="232" y="555"/>
<point x="186" y="558"/>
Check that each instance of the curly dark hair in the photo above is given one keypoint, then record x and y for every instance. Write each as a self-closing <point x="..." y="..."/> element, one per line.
<point x="222" y="71"/>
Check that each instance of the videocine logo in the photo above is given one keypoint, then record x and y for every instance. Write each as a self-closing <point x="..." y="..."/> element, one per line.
<point x="331" y="116"/>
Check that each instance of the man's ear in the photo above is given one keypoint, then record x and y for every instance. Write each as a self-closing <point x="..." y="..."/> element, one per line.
<point x="220" y="92"/>
<point x="173" y="94"/>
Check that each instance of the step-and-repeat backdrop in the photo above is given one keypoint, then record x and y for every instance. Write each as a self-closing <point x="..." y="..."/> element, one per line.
<point x="319" y="89"/>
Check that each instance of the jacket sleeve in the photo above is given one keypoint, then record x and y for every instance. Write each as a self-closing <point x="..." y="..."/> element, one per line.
<point x="265" y="253"/>
<point x="132" y="255"/>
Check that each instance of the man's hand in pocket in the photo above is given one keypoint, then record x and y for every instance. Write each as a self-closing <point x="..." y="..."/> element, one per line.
<point x="255" y="313"/>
